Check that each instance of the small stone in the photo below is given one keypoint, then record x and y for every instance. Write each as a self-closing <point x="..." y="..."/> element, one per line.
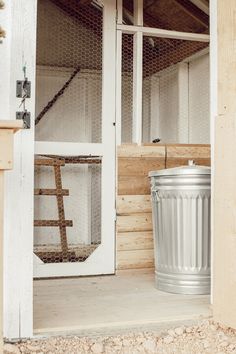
<point x="206" y="344"/>
<point x="231" y="347"/>
<point x="179" y="331"/>
<point x="189" y="330"/>
<point x="171" y="332"/>
<point x="213" y="327"/>
<point x="150" y="345"/>
<point x="224" y="344"/>
<point x="10" y="349"/>
<point x="97" y="348"/>
<point x="168" y="339"/>
<point x="33" y="348"/>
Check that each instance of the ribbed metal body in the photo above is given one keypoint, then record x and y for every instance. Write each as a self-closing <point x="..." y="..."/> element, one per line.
<point x="181" y="217"/>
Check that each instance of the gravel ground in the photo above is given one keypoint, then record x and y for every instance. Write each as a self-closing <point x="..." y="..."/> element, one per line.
<point x="207" y="337"/>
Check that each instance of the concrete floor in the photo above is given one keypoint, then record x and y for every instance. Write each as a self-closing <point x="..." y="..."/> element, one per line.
<point x="104" y="304"/>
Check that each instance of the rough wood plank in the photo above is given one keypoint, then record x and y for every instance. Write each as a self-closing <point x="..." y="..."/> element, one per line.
<point x="134" y="150"/>
<point x="136" y="166"/>
<point x="14" y="125"/>
<point x="135" y="259"/>
<point x="188" y="151"/>
<point x="41" y="191"/>
<point x="49" y="162"/>
<point x="134" y="222"/>
<point x="61" y="211"/>
<point x="131" y="204"/>
<point x="134" y="240"/>
<point x="176" y="162"/>
<point x="6" y="149"/>
<point x="53" y="223"/>
<point x="133" y="185"/>
<point x="178" y="155"/>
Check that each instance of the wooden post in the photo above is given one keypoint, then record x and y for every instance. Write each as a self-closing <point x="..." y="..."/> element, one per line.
<point x="224" y="192"/>
<point x="7" y="129"/>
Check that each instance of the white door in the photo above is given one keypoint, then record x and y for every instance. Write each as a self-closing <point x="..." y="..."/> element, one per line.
<point x="75" y="222"/>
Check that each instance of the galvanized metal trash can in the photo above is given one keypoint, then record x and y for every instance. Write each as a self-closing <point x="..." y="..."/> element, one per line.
<point x="181" y="199"/>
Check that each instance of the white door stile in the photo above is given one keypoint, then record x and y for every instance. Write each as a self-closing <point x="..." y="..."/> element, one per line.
<point x="118" y="86"/>
<point x="18" y="50"/>
<point x="137" y="74"/>
<point x="138" y="13"/>
<point x="183" y="102"/>
<point x="120" y="12"/>
<point x="155" y="108"/>
<point x="102" y="260"/>
<point x="68" y="149"/>
<point x="108" y="132"/>
<point x="137" y="88"/>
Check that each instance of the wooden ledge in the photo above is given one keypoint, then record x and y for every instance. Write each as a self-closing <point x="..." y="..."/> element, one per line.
<point x="15" y="125"/>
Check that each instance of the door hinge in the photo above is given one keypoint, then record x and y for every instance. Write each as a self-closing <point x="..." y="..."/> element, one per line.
<point x="25" y="116"/>
<point x="23" y="88"/>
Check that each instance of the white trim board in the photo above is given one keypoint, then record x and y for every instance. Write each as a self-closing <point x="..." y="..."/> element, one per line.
<point x="157" y="32"/>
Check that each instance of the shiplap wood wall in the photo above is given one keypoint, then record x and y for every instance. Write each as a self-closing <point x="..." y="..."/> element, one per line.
<point x="134" y="241"/>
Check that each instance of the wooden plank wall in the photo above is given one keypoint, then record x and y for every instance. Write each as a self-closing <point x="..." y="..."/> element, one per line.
<point x="134" y="218"/>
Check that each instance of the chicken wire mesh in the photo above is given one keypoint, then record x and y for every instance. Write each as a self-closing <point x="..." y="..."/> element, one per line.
<point x="127" y="88"/>
<point x="68" y="109"/>
<point x="175" y="91"/>
<point x="67" y="208"/>
<point x="175" y="96"/>
<point x="69" y="40"/>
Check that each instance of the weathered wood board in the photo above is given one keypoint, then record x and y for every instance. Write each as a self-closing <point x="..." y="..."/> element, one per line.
<point x="178" y="155"/>
<point x="133" y="203"/>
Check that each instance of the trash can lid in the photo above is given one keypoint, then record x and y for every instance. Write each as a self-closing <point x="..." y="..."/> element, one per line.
<point x="190" y="169"/>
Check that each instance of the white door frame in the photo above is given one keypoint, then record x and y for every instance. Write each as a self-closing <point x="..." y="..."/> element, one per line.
<point x="102" y="260"/>
<point x="17" y="50"/>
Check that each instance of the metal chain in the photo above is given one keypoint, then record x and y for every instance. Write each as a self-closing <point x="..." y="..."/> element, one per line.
<point x="55" y="98"/>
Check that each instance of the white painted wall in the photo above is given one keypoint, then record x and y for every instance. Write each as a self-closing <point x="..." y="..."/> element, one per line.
<point x="199" y="100"/>
<point x="178" y="103"/>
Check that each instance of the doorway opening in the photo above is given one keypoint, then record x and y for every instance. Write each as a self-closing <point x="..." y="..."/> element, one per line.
<point x="162" y="119"/>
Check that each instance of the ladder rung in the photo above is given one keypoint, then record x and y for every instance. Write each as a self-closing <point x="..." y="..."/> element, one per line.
<point x="52" y="223"/>
<point x="49" y="162"/>
<point x="44" y="191"/>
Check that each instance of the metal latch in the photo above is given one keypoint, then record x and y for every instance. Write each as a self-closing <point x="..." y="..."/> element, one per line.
<point x="23" y="88"/>
<point x="25" y="116"/>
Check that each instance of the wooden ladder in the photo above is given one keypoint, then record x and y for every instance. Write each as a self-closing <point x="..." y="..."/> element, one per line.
<point x="59" y="192"/>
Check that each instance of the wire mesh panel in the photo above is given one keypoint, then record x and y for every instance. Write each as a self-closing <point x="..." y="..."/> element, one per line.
<point x="67" y="208"/>
<point x="69" y="64"/>
<point x="68" y="109"/>
<point x="171" y="91"/>
<point x="127" y="88"/>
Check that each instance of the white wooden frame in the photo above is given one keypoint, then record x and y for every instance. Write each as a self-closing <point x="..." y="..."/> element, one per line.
<point x="138" y="30"/>
<point x="17" y="50"/>
<point x="102" y="260"/>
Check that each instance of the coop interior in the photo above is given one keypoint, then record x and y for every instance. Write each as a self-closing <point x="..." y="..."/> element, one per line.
<point x="68" y="187"/>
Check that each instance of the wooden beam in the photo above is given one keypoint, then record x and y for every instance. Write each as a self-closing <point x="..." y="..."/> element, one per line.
<point x="138" y="12"/>
<point x="41" y="191"/>
<point x="202" y="5"/>
<point x="161" y="33"/>
<point x="193" y="11"/>
<point x="53" y="223"/>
